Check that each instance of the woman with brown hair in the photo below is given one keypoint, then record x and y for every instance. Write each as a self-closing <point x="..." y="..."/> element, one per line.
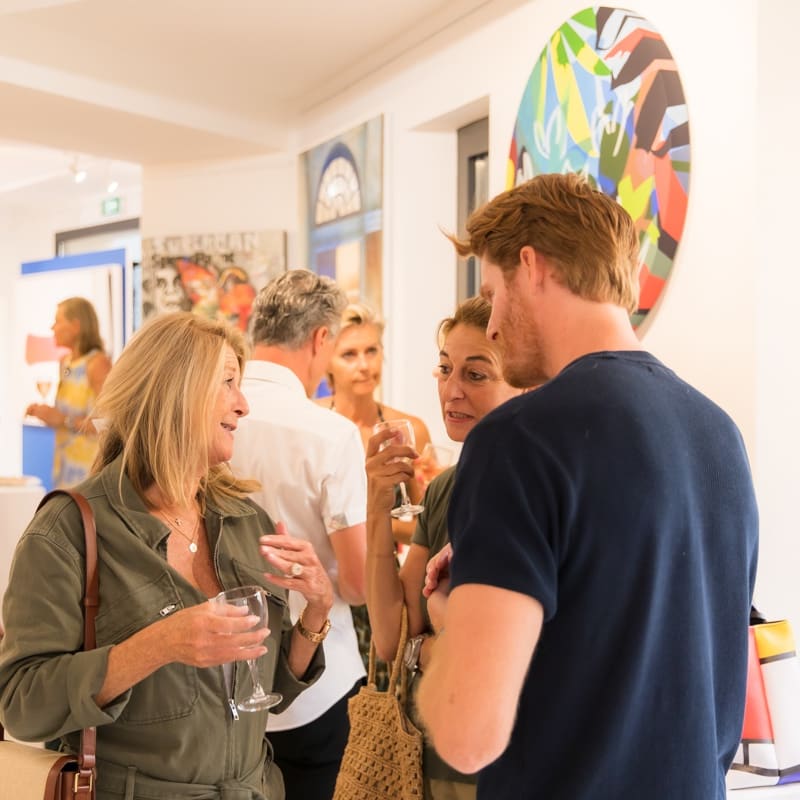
<point x="470" y="383"/>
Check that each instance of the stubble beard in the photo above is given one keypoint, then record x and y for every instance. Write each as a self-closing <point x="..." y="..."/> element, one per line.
<point x="523" y="362"/>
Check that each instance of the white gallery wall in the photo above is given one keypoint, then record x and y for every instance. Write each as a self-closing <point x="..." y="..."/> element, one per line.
<point x="28" y="227"/>
<point x="725" y="318"/>
<point x="717" y="323"/>
<point x="221" y="196"/>
<point x="775" y="266"/>
<point x="705" y="313"/>
<point x="23" y="237"/>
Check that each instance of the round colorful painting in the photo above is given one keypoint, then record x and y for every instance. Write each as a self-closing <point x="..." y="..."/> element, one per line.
<point x="605" y="99"/>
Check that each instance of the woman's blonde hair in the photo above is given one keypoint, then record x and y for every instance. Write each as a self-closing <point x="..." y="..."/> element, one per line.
<point x="361" y="314"/>
<point x="80" y="309"/>
<point x="155" y="405"/>
<point x="353" y="316"/>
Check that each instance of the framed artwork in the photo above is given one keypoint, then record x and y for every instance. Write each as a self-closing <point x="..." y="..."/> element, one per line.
<point x="216" y="275"/>
<point x="343" y="195"/>
<point x="605" y="99"/>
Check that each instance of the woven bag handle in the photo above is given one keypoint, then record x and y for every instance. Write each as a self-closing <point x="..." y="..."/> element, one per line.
<point x="84" y="779"/>
<point x="397" y="664"/>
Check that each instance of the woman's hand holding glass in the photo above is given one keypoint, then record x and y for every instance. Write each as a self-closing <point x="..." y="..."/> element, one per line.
<point x="249" y="602"/>
<point x="204" y="636"/>
<point x="400" y="445"/>
<point x="385" y="469"/>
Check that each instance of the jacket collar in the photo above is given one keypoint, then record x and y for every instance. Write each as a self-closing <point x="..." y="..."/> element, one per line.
<point x="128" y="505"/>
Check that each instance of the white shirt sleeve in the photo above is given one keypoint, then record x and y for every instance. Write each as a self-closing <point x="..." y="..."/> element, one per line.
<point x="344" y="489"/>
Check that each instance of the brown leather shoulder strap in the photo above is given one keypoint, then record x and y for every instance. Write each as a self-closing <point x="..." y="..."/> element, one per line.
<point x="91" y="595"/>
<point x="84" y="779"/>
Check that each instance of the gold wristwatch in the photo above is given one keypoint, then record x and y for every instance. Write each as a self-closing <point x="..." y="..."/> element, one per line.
<point x="316" y="638"/>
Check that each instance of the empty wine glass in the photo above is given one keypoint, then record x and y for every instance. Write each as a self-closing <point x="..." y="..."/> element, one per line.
<point x="43" y="387"/>
<point x="251" y="598"/>
<point x="43" y="377"/>
<point x="403" y="434"/>
<point x="434" y="460"/>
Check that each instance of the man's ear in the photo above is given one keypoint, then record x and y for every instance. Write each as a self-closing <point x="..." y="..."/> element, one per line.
<point x="532" y="264"/>
<point x="537" y="267"/>
<point x="319" y="337"/>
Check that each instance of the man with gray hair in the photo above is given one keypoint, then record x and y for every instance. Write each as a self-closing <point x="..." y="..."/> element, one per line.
<point x="310" y="462"/>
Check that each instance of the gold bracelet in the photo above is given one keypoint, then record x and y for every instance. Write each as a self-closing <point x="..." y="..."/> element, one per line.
<point x="316" y="638"/>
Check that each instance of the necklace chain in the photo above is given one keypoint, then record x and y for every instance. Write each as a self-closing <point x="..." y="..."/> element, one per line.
<point x="176" y="524"/>
<point x="378" y="411"/>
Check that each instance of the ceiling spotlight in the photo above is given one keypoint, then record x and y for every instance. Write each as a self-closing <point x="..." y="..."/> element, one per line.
<point x="112" y="187"/>
<point x="78" y="174"/>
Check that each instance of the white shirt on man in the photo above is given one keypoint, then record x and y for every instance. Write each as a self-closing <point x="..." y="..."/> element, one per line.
<point x="310" y="462"/>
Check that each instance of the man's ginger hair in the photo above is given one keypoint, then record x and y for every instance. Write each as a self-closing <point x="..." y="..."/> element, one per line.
<point x="588" y="238"/>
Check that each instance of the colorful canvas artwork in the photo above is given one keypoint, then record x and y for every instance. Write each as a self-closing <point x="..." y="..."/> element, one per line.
<point x="605" y="99"/>
<point x="769" y="751"/>
<point x="216" y="275"/>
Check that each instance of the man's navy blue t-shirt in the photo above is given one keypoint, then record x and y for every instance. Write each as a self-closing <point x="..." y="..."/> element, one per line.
<point x="621" y="499"/>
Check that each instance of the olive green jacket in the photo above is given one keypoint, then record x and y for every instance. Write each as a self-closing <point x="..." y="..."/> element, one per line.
<point x="177" y="724"/>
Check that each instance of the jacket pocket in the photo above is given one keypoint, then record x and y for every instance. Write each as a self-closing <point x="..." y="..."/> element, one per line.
<point x="171" y="692"/>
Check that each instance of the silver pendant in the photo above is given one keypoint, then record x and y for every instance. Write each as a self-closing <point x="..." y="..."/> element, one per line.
<point x="193" y="547"/>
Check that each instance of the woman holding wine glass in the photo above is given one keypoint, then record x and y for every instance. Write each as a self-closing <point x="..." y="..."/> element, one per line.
<point x="470" y="383"/>
<point x="178" y="710"/>
<point x="81" y="375"/>
<point x="354" y="375"/>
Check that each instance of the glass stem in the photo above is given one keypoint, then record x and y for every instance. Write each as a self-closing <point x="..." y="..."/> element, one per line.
<point x="404" y="495"/>
<point x="258" y="691"/>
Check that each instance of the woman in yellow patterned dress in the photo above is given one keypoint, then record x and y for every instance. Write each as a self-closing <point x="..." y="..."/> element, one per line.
<point x="82" y="374"/>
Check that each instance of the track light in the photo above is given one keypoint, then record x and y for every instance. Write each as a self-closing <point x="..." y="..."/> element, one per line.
<point x="78" y="175"/>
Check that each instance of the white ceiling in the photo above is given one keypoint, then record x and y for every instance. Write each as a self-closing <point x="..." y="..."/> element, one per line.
<point x="163" y="81"/>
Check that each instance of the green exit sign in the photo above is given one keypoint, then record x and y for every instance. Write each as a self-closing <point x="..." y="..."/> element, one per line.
<point x="110" y="206"/>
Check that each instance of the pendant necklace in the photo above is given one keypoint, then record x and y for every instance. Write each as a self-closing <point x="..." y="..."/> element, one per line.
<point x="176" y="524"/>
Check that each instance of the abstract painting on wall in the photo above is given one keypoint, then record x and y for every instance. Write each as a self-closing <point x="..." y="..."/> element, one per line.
<point x="605" y="100"/>
<point x="216" y="275"/>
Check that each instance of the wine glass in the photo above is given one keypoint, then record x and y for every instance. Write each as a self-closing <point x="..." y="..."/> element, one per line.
<point x="43" y="386"/>
<point x="43" y="378"/>
<point x="251" y="598"/>
<point x="434" y="460"/>
<point x="403" y="434"/>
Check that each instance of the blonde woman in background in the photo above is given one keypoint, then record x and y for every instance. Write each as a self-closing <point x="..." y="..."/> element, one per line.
<point x="354" y="374"/>
<point x="81" y="376"/>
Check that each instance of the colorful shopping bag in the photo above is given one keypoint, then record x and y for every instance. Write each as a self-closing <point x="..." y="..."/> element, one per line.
<point x="769" y="752"/>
